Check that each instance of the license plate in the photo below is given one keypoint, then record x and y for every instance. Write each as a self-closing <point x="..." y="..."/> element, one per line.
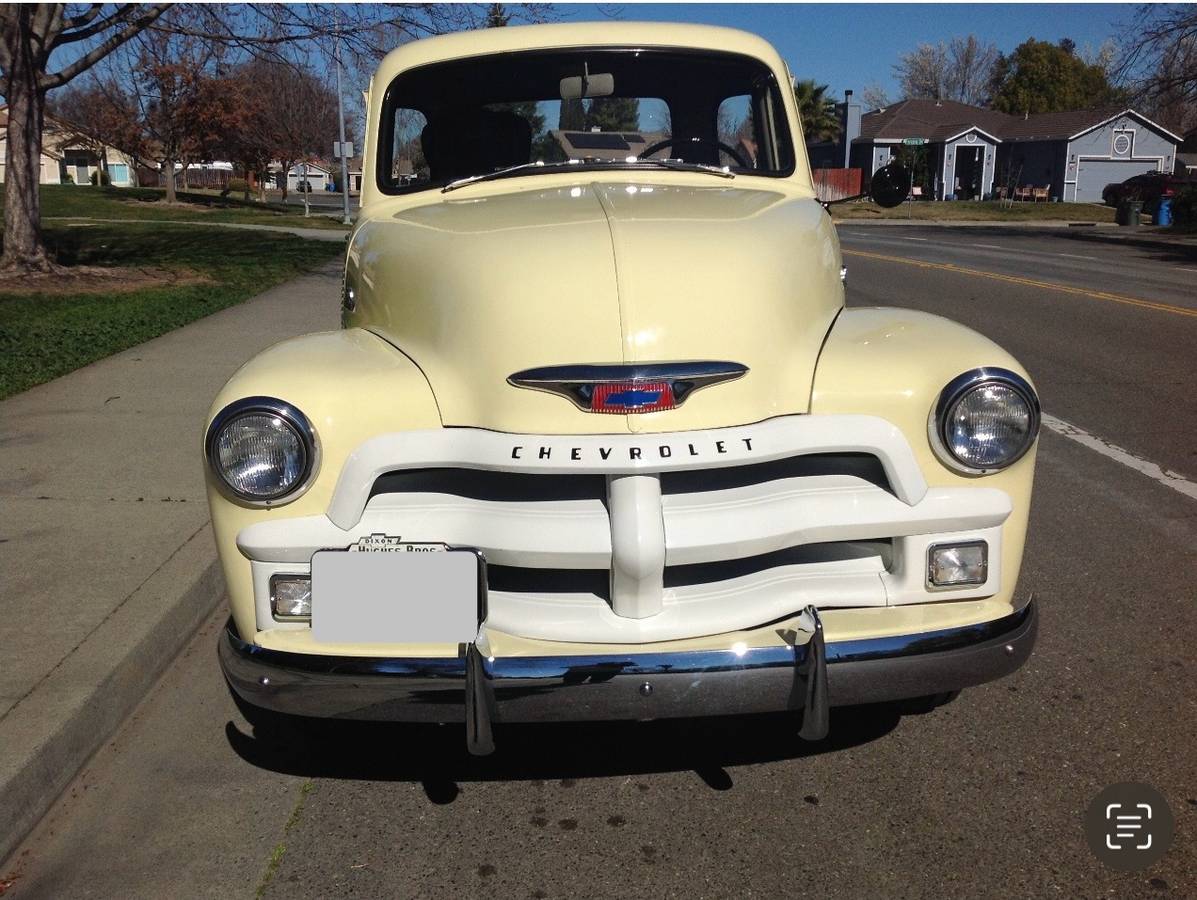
<point x="395" y="597"/>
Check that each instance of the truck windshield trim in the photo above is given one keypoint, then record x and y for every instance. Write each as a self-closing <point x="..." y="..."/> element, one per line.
<point x="462" y="121"/>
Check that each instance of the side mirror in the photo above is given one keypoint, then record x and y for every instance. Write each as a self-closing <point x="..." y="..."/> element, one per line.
<point x="890" y="185"/>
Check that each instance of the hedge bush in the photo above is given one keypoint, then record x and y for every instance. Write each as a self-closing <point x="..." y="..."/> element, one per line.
<point x="1184" y="207"/>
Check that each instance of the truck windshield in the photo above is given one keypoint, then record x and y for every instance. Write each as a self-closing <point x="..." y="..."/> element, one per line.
<point x="464" y="118"/>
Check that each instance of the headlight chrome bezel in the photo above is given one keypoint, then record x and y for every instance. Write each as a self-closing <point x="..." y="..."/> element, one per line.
<point x="955" y="391"/>
<point x="293" y="419"/>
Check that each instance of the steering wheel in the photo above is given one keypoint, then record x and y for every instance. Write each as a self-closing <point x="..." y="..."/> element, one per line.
<point x="669" y="142"/>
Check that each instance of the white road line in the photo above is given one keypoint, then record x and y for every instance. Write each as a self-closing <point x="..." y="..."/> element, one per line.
<point x="1074" y="256"/>
<point x="906" y="238"/>
<point x="989" y="246"/>
<point x="1128" y="459"/>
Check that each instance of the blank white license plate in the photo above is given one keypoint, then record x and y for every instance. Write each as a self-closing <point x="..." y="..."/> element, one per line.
<point x="401" y="597"/>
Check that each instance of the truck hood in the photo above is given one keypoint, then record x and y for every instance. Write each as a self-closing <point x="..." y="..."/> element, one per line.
<point x="477" y="288"/>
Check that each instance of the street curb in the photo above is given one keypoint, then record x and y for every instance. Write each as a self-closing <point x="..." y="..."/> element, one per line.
<point x="53" y="731"/>
<point x="978" y="223"/>
<point x="1147" y="241"/>
<point x="1102" y="233"/>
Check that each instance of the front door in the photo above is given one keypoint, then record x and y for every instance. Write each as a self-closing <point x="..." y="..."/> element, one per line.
<point x="968" y="173"/>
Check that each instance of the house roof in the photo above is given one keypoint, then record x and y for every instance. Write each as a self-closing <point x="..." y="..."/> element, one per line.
<point x="297" y="168"/>
<point x="941" y="120"/>
<point x="930" y="119"/>
<point x="1072" y="123"/>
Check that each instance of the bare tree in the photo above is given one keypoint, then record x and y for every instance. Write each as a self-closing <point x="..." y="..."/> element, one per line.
<point x="98" y="116"/>
<point x="875" y="96"/>
<point x="970" y="69"/>
<point x="183" y="109"/>
<point x="959" y="70"/>
<point x="1158" y="63"/>
<point x="30" y="35"/>
<point x="923" y="72"/>
<point x="302" y="111"/>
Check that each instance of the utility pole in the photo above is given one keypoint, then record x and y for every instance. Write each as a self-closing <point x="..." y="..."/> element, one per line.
<point x="341" y="146"/>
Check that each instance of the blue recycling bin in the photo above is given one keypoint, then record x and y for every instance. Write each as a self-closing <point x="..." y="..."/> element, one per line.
<point x="1163" y="213"/>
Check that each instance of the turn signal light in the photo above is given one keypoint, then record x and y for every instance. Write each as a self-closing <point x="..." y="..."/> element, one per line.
<point x="955" y="565"/>
<point x="291" y="597"/>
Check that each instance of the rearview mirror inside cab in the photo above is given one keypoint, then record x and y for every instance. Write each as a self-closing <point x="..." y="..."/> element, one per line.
<point x="576" y="87"/>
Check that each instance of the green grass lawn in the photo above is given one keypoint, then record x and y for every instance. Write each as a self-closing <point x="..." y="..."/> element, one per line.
<point x="974" y="210"/>
<point x="48" y="333"/>
<point x="90" y="202"/>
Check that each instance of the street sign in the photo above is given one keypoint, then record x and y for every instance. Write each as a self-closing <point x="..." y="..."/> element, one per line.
<point x="338" y="146"/>
<point x="914" y="142"/>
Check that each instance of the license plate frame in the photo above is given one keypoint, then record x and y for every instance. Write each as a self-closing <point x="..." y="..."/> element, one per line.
<point x="422" y="593"/>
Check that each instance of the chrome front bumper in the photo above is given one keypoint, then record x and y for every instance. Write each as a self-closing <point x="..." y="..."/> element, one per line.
<point x="632" y="686"/>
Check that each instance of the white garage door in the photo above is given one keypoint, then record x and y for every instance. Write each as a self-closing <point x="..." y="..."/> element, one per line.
<point x="1094" y="174"/>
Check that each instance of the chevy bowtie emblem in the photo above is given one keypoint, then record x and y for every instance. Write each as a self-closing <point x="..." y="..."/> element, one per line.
<point x="627" y="388"/>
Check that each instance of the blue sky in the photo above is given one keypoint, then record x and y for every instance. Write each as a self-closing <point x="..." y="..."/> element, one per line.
<point x="853" y="45"/>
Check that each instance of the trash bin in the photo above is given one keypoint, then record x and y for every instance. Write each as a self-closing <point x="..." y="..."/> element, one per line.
<point x="1129" y="212"/>
<point x="1163" y="212"/>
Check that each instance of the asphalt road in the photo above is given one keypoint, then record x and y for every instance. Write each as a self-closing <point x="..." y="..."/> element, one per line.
<point x="981" y="798"/>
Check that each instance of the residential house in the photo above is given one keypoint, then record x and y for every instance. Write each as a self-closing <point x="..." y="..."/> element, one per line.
<point x="354" y="167"/>
<point x="1186" y="155"/>
<point x="317" y="175"/>
<point x="69" y="158"/>
<point x="973" y="153"/>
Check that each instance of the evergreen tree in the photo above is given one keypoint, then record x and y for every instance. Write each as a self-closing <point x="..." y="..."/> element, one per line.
<point x="614" y="114"/>
<point x="572" y="116"/>
<point x="1040" y="77"/>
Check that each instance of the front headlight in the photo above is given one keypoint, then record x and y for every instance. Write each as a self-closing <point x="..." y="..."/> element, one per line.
<point x="984" y="420"/>
<point x="261" y="449"/>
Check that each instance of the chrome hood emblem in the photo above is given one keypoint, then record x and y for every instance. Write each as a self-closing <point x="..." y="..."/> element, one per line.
<point x="625" y="388"/>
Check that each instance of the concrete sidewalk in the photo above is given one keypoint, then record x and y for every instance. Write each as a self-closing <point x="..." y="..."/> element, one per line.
<point x="107" y="562"/>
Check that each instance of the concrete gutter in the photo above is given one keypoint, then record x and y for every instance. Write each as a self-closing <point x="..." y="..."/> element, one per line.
<point x="50" y="734"/>
<point x="107" y="563"/>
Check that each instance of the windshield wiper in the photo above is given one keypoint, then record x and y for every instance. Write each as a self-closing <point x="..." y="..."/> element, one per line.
<point x="677" y="165"/>
<point x="681" y="165"/>
<point x="505" y="172"/>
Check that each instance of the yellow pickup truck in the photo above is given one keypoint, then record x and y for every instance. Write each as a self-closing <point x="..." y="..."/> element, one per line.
<point x="598" y="438"/>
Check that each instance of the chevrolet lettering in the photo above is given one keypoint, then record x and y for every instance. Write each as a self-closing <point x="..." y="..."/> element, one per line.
<point x="633" y="452"/>
<point x="597" y="406"/>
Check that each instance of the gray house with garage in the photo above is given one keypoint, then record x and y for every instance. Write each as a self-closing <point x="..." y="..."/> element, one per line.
<point x="969" y="153"/>
<point x="1077" y="153"/>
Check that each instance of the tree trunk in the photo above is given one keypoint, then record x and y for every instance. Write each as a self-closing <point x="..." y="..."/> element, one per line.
<point x="168" y="166"/>
<point x="23" y="246"/>
<point x="284" y="179"/>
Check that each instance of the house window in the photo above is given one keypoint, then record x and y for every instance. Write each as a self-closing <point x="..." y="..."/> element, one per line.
<point x="1122" y="143"/>
<point x="118" y="173"/>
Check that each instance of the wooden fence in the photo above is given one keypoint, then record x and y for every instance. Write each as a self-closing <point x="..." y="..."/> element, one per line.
<point x="836" y="184"/>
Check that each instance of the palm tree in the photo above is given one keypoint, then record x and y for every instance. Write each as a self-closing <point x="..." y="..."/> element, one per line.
<point x="820" y="122"/>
